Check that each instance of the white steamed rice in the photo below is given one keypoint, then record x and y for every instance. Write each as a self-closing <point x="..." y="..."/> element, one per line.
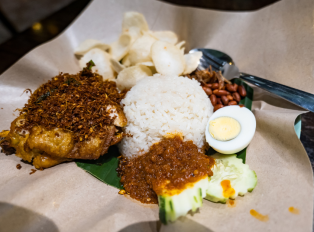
<point x="159" y="105"/>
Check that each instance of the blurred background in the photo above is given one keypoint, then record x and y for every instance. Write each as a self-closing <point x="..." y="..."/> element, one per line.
<point x="16" y="16"/>
<point x="25" y="24"/>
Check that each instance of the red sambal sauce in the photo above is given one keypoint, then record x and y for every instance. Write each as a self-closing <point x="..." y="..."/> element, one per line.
<point x="167" y="168"/>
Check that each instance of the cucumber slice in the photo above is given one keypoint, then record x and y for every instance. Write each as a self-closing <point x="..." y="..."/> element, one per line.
<point x="173" y="207"/>
<point x="235" y="176"/>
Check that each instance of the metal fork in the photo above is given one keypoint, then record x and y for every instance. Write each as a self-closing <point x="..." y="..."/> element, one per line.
<point x="224" y="63"/>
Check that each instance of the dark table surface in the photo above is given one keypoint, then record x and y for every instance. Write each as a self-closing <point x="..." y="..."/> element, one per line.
<point x="47" y="29"/>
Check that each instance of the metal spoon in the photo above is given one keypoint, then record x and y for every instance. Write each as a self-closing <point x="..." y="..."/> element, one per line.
<point x="221" y="61"/>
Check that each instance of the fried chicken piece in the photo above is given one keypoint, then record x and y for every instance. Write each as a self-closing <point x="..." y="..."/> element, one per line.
<point x="47" y="148"/>
<point x="47" y="161"/>
<point x="69" y="117"/>
<point x="117" y="113"/>
<point x="56" y="142"/>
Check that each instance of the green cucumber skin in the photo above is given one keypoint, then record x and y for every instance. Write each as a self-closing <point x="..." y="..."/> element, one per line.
<point x="215" y="199"/>
<point x="251" y="189"/>
<point x="171" y="206"/>
<point x="162" y="209"/>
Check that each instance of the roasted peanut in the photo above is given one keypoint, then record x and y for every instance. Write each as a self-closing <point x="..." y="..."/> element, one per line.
<point x="230" y="87"/>
<point x="235" y="86"/>
<point x="213" y="99"/>
<point x="217" y="107"/>
<point x="230" y="97"/>
<point x="208" y="91"/>
<point x="242" y="91"/>
<point x="219" y="101"/>
<point x="224" y="87"/>
<point x="224" y="100"/>
<point x="208" y="85"/>
<point x="215" y="86"/>
<point x="232" y="103"/>
<point x="220" y="92"/>
<point x="236" y="96"/>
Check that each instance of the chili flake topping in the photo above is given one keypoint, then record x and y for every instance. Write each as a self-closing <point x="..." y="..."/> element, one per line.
<point x="77" y="103"/>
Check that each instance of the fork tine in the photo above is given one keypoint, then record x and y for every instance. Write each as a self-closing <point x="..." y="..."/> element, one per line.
<point x="210" y="58"/>
<point x="205" y="63"/>
<point x="202" y="65"/>
<point x="213" y="59"/>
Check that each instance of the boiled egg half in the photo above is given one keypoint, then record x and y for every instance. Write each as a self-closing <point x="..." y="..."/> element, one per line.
<point x="230" y="129"/>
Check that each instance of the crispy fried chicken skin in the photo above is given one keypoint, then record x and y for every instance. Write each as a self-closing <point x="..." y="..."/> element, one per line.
<point x="69" y="117"/>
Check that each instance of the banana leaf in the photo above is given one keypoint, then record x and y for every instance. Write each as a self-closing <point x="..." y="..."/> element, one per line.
<point x="104" y="168"/>
<point x="247" y="102"/>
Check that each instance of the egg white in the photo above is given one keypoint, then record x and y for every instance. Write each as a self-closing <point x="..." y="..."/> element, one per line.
<point x="248" y="126"/>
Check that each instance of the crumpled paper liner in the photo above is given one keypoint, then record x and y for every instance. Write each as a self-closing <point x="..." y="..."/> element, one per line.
<point x="275" y="43"/>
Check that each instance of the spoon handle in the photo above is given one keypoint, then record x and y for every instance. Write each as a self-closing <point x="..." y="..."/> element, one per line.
<point x="295" y="96"/>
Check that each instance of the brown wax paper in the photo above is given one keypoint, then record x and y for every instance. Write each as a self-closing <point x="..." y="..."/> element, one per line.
<point x="275" y="43"/>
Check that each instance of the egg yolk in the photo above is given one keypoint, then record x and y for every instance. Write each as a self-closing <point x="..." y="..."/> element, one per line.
<point x="224" y="128"/>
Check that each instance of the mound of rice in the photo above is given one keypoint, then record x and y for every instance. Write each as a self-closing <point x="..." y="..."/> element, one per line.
<point x="158" y="105"/>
